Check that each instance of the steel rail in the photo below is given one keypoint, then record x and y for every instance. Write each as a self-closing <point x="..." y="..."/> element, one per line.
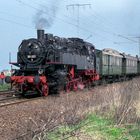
<point x="19" y="101"/>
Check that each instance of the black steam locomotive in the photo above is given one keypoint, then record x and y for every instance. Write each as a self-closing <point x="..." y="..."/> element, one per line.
<point x="49" y="64"/>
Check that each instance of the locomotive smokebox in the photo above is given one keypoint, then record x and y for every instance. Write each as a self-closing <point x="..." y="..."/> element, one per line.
<point x="40" y="34"/>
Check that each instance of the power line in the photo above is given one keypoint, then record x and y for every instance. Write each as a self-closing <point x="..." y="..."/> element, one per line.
<point x="78" y="6"/>
<point x="6" y="13"/>
<point x="103" y="21"/>
<point x="69" y="16"/>
<point x="138" y="37"/>
<point x="73" y="6"/>
<point x="126" y="38"/>
<point x="77" y="26"/>
<point x="81" y="28"/>
<point x="30" y="6"/>
<point x="124" y="42"/>
<point x="83" y="5"/>
<point x="17" y="23"/>
<point x="97" y="15"/>
<point x="102" y="18"/>
<point x="105" y="31"/>
<point x="112" y="33"/>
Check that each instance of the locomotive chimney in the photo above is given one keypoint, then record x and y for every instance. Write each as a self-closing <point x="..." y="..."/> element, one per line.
<point x="40" y="34"/>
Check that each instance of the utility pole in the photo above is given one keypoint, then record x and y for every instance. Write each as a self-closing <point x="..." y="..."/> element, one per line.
<point x="78" y="6"/>
<point x="139" y="45"/>
<point x="138" y="37"/>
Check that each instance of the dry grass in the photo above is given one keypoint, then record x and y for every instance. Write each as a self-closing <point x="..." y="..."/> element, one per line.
<point x="120" y="101"/>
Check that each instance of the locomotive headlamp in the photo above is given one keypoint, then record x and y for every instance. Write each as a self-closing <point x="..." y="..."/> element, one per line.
<point x="13" y="71"/>
<point x="31" y="56"/>
<point x="40" y="71"/>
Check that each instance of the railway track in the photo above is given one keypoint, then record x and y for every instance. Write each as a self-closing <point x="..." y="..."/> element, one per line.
<point x="16" y="100"/>
<point x="7" y="96"/>
<point x="6" y="92"/>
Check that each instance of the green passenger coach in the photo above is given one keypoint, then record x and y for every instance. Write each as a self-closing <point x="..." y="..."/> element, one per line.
<point x="114" y="66"/>
<point x="130" y="65"/>
<point x="110" y="62"/>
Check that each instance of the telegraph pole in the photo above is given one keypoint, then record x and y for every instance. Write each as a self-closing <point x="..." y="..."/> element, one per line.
<point x="138" y="37"/>
<point x="78" y="6"/>
<point x="139" y="45"/>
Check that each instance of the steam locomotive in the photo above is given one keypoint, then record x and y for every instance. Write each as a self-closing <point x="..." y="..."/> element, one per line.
<point x="48" y="64"/>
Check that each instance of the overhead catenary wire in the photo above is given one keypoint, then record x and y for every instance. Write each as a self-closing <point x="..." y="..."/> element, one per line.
<point x="14" y="22"/>
<point x="90" y="19"/>
<point x="84" y="23"/>
<point x="11" y="15"/>
<point x="60" y="19"/>
<point x="81" y="28"/>
<point x="75" y="25"/>
<point x="27" y="26"/>
<point x="102" y="18"/>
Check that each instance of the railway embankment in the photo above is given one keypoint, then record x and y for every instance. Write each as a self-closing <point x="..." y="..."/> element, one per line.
<point x="109" y="112"/>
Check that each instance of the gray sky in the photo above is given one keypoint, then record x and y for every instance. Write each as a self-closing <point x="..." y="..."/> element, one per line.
<point x="106" y="24"/>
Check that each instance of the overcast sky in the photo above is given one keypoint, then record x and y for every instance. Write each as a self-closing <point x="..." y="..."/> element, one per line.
<point x="106" y="23"/>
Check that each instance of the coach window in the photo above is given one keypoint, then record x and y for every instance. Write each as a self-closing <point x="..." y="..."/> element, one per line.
<point x="111" y="60"/>
<point x="120" y="61"/>
<point x="114" y="58"/>
<point x="128" y="62"/>
<point x="117" y="61"/>
<point x="135" y="63"/>
<point x="131" y="62"/>
<point x="105" y="59"/>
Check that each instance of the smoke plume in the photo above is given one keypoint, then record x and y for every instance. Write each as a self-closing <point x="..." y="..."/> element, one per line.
<point x="45" y="16"/>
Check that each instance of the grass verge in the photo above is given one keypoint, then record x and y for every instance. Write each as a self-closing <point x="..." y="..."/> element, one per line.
<point x="95" y="128"/>
<point x="4" y="87"/>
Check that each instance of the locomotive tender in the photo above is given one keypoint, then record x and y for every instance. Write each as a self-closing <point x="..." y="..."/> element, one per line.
<point x="48" y="64"/>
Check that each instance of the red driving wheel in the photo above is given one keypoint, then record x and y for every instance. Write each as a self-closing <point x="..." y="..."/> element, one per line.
<point x="45" y="90"/>
<point x="68" y="88"/>
<point x="75" y="86"/>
